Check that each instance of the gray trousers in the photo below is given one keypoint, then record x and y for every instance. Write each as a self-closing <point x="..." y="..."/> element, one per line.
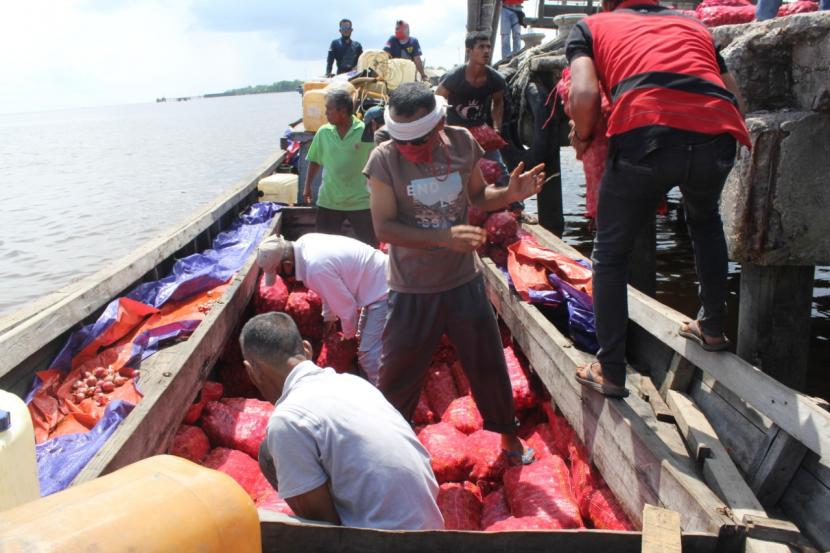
<point x="414" y="325"/>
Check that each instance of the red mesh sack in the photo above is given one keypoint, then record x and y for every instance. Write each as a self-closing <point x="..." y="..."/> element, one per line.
<point x="542" y="488"/>
<point x="494" y="509"/>
<point x="544" y="441"/>
<point x="476" y="216"/>
<point x="191" y="443"/>
<point x="512" y="524"/>
<point x="462" y="384"/>
<point x="529" y="419"/>
<point x="498" y="254"/>
<point x="488" y="460"/>
<point x="270" y="298"/>
<point x="447" y="450"/>
<point x="490" y="170"/>
<point x="604" y="511"/>
<point x="716" y="3"/>
<point x="271" y="501"/>
<point x="463" y="414"/>
<point x="445" y="352"/>
<point x="423" y="412"/>
<point x="250" y="405"/>
<point x="583" y="479"/>
<point x="440" y="388"/>
<point x="461" y="506"/>
<point x="523" y="395"/>
<point x="487" y="138"/>
<point x="716" y="16"/>
<point x="233" y="428"/>
<point x="211" y="391"/>
<point x="339" y="354"/>
<point x="239" y="466"/>
<point x="802" y="6"/>
<point x="306" y="308"/>
<point x="501" y="228"/>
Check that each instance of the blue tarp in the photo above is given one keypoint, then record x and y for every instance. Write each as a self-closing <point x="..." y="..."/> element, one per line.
<point x="61" y="459"/>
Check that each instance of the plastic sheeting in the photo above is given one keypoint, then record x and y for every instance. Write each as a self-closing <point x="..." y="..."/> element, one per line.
<point x="60" y="459"/>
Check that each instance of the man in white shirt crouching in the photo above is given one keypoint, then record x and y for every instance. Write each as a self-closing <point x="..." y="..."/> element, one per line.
<point x="348" y="276"/>
<point x="341" y="453"/>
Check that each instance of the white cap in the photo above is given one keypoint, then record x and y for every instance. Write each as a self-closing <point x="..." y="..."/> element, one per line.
<point x="270" y="254"/>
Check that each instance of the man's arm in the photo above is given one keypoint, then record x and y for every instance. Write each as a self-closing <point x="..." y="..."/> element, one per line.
<point x="732" y="86"/>
<point x="311" y="172"/>
<point x="498" y="110"/>
<point x="330" y="60"/>
<point x="585" y="102"/>
<point x="443" y="91"/>
<point x="523" y="184"/>
<point x="462" y="238"/>
<point x="420" y="67"/>
<point x="316" y="504"/>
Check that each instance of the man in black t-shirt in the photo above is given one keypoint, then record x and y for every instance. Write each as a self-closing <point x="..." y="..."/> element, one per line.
<point x="475" y="93"/>
<point x="343" y="50"/>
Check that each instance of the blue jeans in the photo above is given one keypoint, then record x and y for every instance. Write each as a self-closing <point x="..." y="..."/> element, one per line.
<point x="767" y="9"/>
<point x="632" y="186"/>
<point x="510" y="27"/>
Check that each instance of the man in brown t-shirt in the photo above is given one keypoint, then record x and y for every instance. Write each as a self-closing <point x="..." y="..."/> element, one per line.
<point x="421" y="183"/>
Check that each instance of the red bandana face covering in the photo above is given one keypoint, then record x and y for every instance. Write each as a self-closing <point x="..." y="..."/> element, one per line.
<point x="416" y="153"/>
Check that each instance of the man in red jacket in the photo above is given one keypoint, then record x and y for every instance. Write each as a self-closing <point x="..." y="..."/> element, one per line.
<point x="675" y="121"/>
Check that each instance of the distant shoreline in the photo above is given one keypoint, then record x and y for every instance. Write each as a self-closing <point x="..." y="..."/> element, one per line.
<point x="279" y="86"/>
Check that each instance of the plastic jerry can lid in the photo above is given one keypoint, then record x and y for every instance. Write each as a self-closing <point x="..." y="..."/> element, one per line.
<point x="5" y="420"/>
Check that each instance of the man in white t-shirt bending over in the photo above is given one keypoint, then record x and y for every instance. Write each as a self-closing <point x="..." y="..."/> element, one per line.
<point x="342" y="453"/>
<point x="350" y="278"/>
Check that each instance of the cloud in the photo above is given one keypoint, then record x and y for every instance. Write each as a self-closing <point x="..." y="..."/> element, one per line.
<point x="66" y="53"/>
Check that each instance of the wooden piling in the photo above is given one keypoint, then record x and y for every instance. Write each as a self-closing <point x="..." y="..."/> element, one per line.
<point x="774" y="320"/>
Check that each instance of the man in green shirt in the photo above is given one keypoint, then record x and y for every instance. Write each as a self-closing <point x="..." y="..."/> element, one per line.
<point x="338" y="148"/>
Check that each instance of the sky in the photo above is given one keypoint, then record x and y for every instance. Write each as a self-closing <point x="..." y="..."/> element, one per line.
<point x="58" y="54"/>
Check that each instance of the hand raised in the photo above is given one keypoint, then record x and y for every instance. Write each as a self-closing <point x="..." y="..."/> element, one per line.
<point x="524" y="184"/>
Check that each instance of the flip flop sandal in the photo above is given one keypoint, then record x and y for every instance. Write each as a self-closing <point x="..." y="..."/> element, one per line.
<point x="517" y="458"/>
<point x="693" y="332"/>
<point x="608" y="390"/>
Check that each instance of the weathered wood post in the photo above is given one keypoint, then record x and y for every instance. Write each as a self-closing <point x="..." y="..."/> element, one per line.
<point x="776" y="199"/>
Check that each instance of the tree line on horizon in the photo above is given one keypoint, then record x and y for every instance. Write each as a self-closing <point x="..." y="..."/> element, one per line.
<point x="279" y="86"/>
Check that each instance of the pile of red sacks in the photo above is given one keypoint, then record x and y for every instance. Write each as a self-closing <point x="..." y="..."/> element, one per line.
<point x="479" y="489"/>
<point x="234" y="427"/>
<point x="502" y="229"/>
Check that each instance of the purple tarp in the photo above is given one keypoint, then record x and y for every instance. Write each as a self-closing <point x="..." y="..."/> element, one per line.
<point x="61" y="459"/>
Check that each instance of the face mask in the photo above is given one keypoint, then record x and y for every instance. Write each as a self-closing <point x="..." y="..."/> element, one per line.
<point x="416" y="153"/>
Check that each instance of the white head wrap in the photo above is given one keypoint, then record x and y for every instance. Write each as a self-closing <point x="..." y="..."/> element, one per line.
<point x="419" y="127"/>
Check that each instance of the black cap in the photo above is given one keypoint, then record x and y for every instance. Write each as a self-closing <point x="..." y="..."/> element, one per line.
<point x="372" y="114"/>
<point x="5" y="420"/>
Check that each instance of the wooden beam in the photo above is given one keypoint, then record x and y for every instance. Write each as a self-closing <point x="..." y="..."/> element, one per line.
<point x="661" y="530"/>
<point x="775" y="466"/>
<point x="171" y="379"/>
<point x="284" y="533"/>
<point x="624" y="448"/>
<point x="26" y="332"/>
<point x="678" y="377"/>
<point x="718" y="469"/>
<point x="793" y="412"/>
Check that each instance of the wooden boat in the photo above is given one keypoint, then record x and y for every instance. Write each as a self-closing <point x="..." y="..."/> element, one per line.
<point x="641" y="445"/>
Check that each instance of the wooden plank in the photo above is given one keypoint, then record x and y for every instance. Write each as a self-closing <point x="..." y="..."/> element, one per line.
<point x="779" y="531"/>
<point x="283" y="533"/>
<point x="718" y="469"/>
<point x="806" y="501"/>
<point x="622" y="446"/>
<point x="170" y="380"/>
<point x="28" y="333"/>
<point x="774" y="466"/>
<point x="679" y="375"/>
<point x="792" y="411"/>
<point x="661" y="531"/>
<point x="661" y="409"/>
